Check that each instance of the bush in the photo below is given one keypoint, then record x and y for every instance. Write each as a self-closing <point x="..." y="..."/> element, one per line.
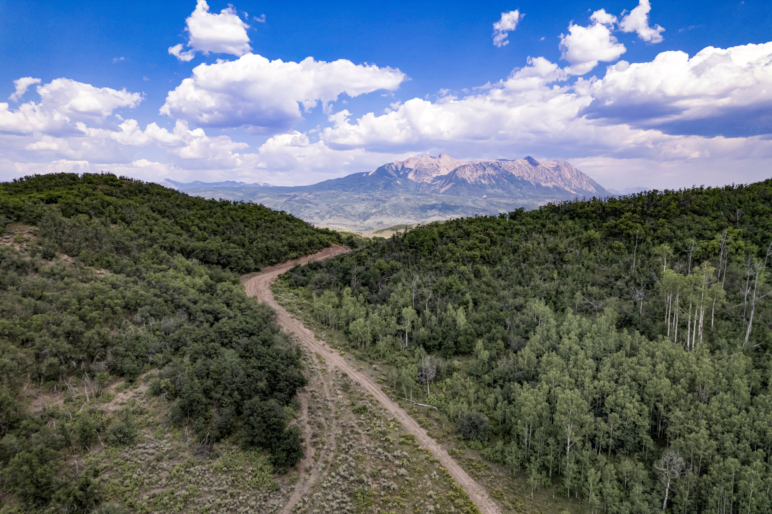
<point x="86" y="431"/>
<point x="473" y="426"/>
<point x="122" y="432"/>
<point x="30" y="475"/>
<point x="290" y="451"/>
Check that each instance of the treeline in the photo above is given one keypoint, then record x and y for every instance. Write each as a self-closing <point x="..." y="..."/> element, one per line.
<point x="137" y="216"/>
<point x="617" y="349"/>
<point x="149" y="285"/>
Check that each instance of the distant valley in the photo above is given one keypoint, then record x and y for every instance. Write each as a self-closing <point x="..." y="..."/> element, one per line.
<point x="416" y="190"/>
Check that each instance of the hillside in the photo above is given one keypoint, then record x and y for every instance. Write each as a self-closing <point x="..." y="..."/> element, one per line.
<point x="111" y="287"/>
<point x="616" y="351"/>
<point x="419" y="190"/>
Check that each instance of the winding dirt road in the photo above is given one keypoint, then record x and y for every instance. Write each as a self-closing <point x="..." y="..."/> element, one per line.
<point x="259" y="286"/>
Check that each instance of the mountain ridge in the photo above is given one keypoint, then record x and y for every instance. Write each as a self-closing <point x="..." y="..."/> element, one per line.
<point x="420" y="190"/>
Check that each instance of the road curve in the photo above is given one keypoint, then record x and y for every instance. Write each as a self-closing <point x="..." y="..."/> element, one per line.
<point x="259" y="286"/>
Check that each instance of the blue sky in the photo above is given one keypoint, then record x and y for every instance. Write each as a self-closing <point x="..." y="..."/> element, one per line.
<point x="674" y="94"/>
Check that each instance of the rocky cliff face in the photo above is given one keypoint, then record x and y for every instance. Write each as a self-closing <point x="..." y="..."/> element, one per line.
<point x="499" y="178"/>
<point x="505" y="177"/>
<point x="424" y="169"/>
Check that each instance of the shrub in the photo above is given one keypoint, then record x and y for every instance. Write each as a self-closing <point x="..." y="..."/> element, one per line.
<point x="86" y="431"/>
<point x="473" y="426"/>
<point x="123" y="432"/>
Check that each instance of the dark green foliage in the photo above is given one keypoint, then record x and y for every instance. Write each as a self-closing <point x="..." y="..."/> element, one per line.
<point x="137" y="217"/>
<point x="30" y="475"/>
<point x="593" y="335"/>
<point x="166" y="298"/>
<point x="265" y="426"/>
<point x="473" y="426"/>
<point x="81" y="495"/>
<point x="122" y="432"/>
<point x="86" y="430"/>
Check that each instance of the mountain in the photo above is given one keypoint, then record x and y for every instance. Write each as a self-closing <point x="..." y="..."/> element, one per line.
<point x="502" y="178"/>
<point x="418" y="190"/>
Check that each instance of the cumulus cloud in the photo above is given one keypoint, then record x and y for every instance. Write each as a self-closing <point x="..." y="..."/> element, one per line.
<point x="657" y="111"/>
<point x="603" y="17"/>
<point x="265" y="96"/>
<point x="638" y="21"/>
<point x="522" y="107"/>
<point x="84" y="102"/>
<point x="716" y="92"/>
<point x="223" y="33"/>
<point x="22" y="85"/>
<point x="181" y="55"/>
<point x="584" y="47"/>
<point x="504" y="26"/>
<point x="64" y="103"/>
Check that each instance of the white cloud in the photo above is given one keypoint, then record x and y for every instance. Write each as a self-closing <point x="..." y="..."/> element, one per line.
<point x="521" y="108"/>
<point x="583" y="47"/>
<point x="264" y="96"/>
<point x="638" y="21"/>
<point x="84" y="102"/>
<point x="64" y="103"/>
<point x="223" y="33"/>
<point x="603" y="17"/>
<point x="260" y="19"/>
<point x="504" y="26"/>
<point x="718" y="91"/>
<point x="22" y="85"/>
<point x="118" y="59"/>
<point x="654" y="111"/>
<point x="177" y="52"/>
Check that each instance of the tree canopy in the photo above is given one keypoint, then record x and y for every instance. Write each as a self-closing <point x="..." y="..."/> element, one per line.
<point x="618" y="348"/>
<point x="116" y="277"/>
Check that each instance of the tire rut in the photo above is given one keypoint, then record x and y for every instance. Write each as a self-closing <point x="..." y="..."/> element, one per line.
<point x="321" y="384"/>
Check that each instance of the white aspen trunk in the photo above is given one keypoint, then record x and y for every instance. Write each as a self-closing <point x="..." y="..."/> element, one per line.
<point x="675" y="320"/>
<point x="689" y="327"/>
<point x="694" y="331"/>
<point x="702" y="321"/>
<point x="712" y="314"/>
<point x="667" y="313"/>
<point x="753" y="309"/>
<point x="667" y="491"/>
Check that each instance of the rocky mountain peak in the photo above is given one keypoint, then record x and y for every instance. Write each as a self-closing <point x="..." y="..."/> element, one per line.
<point x="426" y="167"/>
<point x="531" y="161"/>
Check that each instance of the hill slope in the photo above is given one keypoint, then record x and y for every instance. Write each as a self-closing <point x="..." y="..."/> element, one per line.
<point x="600" y="344"/>
<point x="103" y="280"/>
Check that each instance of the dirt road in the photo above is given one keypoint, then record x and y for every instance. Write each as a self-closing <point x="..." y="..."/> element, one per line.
<point x="259" y="286"/>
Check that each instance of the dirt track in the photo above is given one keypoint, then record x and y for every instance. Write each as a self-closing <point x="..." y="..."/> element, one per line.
<point x="259" y="286"/>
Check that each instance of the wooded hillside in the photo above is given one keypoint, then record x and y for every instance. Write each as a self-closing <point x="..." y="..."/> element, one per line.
<point x="104" y="277"/>
<point x="616" y="349"/>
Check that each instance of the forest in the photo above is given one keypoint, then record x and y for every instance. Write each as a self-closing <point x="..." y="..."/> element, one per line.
<point x="111" y="278"/>
<point x="615" y="350"/>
